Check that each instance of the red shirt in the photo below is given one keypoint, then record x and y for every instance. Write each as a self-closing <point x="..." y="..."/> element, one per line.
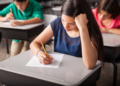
<point x="115" y="23"/>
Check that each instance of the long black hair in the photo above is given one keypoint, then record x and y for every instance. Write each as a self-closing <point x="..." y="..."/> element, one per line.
<point x="73" y="8"/>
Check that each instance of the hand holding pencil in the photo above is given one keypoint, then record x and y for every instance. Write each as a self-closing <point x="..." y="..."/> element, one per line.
<point x="44" y="58"/>
<point x="9" y="16"/>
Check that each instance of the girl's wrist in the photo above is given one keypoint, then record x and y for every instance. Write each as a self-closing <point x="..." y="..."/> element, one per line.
<point x="82" y="28"/>
<point x="108" y="31"/>
<point x="37" y="53"/>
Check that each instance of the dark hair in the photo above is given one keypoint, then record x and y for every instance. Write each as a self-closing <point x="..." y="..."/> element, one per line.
<point x="20" y="0"/>
<point x="110" y="6"/>
<point x="75" y="7"/>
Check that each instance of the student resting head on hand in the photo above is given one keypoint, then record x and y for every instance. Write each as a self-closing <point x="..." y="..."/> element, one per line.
<point x="107" y="15"/>
<point x="76" y="33"/>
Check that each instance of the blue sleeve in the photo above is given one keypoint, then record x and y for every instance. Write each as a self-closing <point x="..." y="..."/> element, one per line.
<point x="55" y="25"/>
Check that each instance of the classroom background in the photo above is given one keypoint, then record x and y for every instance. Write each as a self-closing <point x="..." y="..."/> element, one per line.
<point x="106" y="77"/>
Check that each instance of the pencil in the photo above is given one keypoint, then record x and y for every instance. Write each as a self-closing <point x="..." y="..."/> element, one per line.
<point x="44" y="49"/>
<point x="11" y="10"/>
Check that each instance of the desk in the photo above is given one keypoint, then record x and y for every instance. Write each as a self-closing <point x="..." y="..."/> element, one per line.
<point x="20" y="32"/>
<point x="111" y="51"/>
<point x="71" y="72"/>
<point x="57" y="10"/>
<point x="96" y="0"/>
<point x="4" y="3"/>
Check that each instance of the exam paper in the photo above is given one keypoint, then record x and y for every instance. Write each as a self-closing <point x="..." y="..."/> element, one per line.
<point x="57" y="58"/>
<point x="9" y="22"/>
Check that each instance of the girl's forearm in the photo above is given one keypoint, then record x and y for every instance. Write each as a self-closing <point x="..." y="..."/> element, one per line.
<point x="114" y="31"/>
<point x="89" y="54"/>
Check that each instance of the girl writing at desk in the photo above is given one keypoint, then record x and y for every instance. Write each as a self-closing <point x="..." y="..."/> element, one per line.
<point x="107" y="15"/>
<point x="75" y="33"/>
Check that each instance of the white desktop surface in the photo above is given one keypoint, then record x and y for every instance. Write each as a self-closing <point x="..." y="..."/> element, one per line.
<point x="57" y="8"/>
<point x="5" y="1"/>
<point x="71" y="71"/>
<point x="111" y="40"/>
<point x="23" y="27"/>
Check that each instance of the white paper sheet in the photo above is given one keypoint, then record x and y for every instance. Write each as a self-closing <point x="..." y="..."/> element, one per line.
<point x="57" y="58"/>
<point x="9" y="22"/>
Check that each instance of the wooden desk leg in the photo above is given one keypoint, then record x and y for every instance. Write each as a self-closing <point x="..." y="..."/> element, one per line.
<point x="114" y="73"/>
<point x="7" y="46"/>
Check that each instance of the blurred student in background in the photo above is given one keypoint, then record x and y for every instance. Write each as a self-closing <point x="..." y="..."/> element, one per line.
<point x="107" y="15"/>
<point x="28" y="10"/>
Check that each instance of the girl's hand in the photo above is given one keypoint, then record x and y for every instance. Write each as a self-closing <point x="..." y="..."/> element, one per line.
<point x="43" y="58"/>
<point x="104" y="30"/>
<point x="81" y="21"/>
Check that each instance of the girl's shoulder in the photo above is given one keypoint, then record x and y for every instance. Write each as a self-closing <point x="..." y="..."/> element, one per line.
<point x="117" y="18"/>
<point x="56" y="23"/>
<point x="94" y="11"/>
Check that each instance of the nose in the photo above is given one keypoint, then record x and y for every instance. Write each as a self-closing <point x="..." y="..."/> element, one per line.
<point x="66" y="25"/>
<point x="101" y="17"/>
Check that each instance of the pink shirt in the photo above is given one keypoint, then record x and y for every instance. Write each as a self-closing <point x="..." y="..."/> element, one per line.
<point x="115" y="23"/>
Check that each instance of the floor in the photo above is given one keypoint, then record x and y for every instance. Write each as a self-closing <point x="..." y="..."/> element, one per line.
<point x="106" y="72"/>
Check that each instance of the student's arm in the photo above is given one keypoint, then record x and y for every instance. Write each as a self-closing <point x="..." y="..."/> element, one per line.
<point x="112" y="30"/>
<point x="8" y="17"/>
<point x="37" y="17"/>
<point x="5" y="14"/>
<point x="89" y="52"/>
<point x="35" y="46"/>
<point x="2" y="18"/>
<point x="30" y="21"/>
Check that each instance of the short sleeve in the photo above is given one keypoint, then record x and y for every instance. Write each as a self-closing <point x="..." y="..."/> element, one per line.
<point x="55" y="25"/>
<point x="6" y="10"/>
<point x="119" y="20"/>
<point x="38" y="11"/>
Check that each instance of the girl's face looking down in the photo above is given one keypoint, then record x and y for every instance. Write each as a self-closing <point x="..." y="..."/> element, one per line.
<point x="103" y="15"/>
<point x="68" y="23"/>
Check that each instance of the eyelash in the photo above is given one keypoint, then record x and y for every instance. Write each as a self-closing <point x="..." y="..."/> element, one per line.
<point x="70" y="24"/>
<point x="105" y="16"/>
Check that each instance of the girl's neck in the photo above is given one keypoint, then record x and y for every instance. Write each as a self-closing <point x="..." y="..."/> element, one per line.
<point x="106" y="22"/>
<point x="73" y="33"/>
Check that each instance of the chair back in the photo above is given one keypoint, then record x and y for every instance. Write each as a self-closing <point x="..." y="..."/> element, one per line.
<point x="48" y="18"/>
